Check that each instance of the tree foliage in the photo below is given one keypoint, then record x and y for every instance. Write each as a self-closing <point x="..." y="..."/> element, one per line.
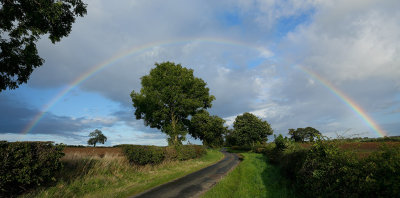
<point x="304" y="134"/>
<point x="249" y="129"/>
<point x="169" y="95"/>
<point x="230" y="139"/>
<point x="208" y="128"/>
<point x="96" y="137"/>
<point x="281" y="143"/>
<point x="22" y="22"/>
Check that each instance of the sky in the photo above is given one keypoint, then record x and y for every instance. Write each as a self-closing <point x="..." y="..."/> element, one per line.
<point x="331" y="65"/>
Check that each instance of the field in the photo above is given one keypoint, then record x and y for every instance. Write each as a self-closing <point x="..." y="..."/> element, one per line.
<point x="105" y="172"/>
<point x="92" y="151"/>
<point x="363" y="149"/>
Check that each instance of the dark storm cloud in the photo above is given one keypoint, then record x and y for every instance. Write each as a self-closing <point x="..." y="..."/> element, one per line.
<point x="16" y="116"/>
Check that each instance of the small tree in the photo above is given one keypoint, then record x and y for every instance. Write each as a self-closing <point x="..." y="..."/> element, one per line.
<point x="96" y="137"/>
<point x="169" y="95"/>
<point x="249" y="129"/>
<point x="208" y="128"/>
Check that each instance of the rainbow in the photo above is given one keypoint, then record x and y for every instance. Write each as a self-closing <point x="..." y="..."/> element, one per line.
<point x="139" y="49"/>
<point x="133" y="51"/>
<point x="346" y="100"/>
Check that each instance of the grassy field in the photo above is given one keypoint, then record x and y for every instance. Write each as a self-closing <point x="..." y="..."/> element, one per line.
<point x="253" y="177"/>
<point x="93" y="151"/>
<point x="108" y="174"/>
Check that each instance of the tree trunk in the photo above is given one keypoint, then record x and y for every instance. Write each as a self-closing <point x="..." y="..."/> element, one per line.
<point x="174" y="135"/>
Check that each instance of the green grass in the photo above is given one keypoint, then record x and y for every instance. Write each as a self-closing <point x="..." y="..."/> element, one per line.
<point x="114" y="177"/>
<point x="253" y="177"/>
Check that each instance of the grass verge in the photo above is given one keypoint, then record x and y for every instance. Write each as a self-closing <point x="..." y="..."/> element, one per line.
<point x="253" y="177"/>
<point x="113" y="176"/>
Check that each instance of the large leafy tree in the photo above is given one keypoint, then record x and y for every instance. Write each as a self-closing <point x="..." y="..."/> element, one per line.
<point x="208" y="128"/>
<point x="22" y="22"/>
<point x="96" y="137"/>
<point x="169" y="95"/>
<point x="303" y="134"/>
<point x="249" y="129"/>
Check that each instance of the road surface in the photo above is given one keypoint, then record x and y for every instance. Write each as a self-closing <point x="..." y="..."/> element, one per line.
<point x="196" y="183"/>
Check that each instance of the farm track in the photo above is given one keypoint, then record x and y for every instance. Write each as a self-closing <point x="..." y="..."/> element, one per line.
<point x="196" y="183"/>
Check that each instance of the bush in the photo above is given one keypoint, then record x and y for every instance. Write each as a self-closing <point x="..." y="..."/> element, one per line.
<point x="185" y="152"/>
<point x="291" y="161"/>
<point x="325" y="170"/>
<point x="26" y="165"/>
<point x="280" y="143"/>
<point x="330" y="172"/>
<point x="143" y="155"/>
<point x="200" y="150"/>
<point x="381" y="172"/>
<point x="170" y="153"/>
<point x="241" y="148"/>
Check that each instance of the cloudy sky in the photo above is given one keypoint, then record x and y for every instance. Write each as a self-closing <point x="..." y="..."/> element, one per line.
<point x="293" y="63"/>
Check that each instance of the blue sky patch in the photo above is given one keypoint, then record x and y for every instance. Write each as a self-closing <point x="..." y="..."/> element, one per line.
<point x="288" y="24"/>
<point x="230" y="18"/>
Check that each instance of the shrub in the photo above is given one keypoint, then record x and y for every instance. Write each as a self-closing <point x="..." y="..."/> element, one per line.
<point x="26" y="165"/>
<point x="170" y="153"/>
<point x="325" y="170"/>
<point x="143" y="155"/>
<point x="200" y="150"/>
<point x="186" y="152"/>
<point x="280" y="143"/>
<point x="241" y="148"/>
<point x="381" y="172"/>
<point x="329" y="172"/>
<point x="291" y="161"/>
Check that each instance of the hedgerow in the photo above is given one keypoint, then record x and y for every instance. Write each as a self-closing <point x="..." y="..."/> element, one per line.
<point x="325" y="170"/>
<point x="26" y="165"/>
<point x="143" y="155"/>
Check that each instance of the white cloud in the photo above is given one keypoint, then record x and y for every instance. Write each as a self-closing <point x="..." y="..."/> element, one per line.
<point x="350" y="41"/>
<point x="266" y="13"/>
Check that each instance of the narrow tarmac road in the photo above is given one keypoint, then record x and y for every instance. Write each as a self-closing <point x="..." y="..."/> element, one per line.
<point x="196" y="183"/>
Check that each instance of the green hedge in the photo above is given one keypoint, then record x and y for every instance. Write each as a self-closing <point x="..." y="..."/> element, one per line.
<point x="325" y="170"/>
<point x="143" y="155"/>
<point x="186" y="152"/>
<point x="26" y="165"/>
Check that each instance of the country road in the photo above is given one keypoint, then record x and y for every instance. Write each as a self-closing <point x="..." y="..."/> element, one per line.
<point x="196" y="183"/>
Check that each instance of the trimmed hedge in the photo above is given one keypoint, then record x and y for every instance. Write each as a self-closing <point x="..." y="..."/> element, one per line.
<point x="186" y="152"/>
<point x="26" y="165"/>
<point x="142" y="155"/>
